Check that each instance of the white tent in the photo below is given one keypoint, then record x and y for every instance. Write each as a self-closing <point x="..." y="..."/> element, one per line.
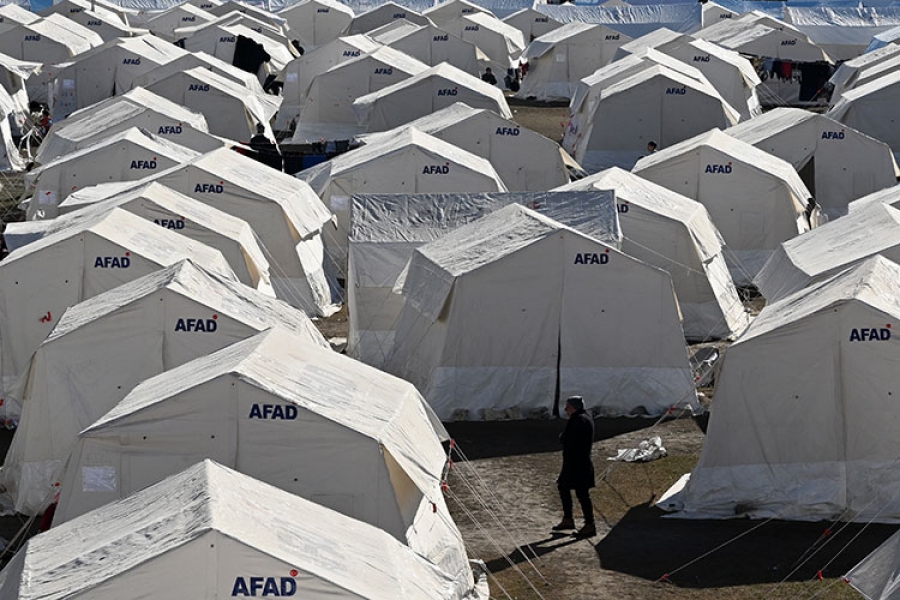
<point x="300" y="72"/>
<point x="106" y="71"/>
<point x="558" y="60"/>
<point x="673" y="232"/>
<point x="433" y="46"/>
<point x="409" y="162"/>
<point x="802" y="427"/>
<point x="70" y="8"/>
<point x="756" y="200"/>
<point x="872" y="109"/>
<point x="172" y="210"/>
<point x="885" y="38"/>
<point x="41" y="280"/>
<point x="524" y="159"/>
<point x="504" y="313"/>
<point x="165" y="23"/>
<point x="286" y="215"/>
<point x="203" y="517"/>
<point x="13" y="75"/>
<point x="732" y="75"/>
<point x="450" y="10"/>
<point x="13" y="14"/>
<point x="145" y="327"/>
<point x="872" y="72"/>
<point x="383" y="14"/>
<point x="889" y="196"/>
<point x="251" y="10"/>
<point x="714" y="13"/>
<point x="657" y="104"/>
<point x="846" y="74"/>
<point x="424" y="93"/>
<point x="136" y="108"/>
<point x="501" y="43"/>
<point x="798" y="263"/>
<point x="837" y="163"/>
<point x="328" y="110"/>
<point x="314" y="23"/>
<point x="386" y="229"/>
<point x="230" y="110"/>
<point x="206" y="5"/>
<point x="369" y="448"/>
<point x="104" y="18"/>
<point x="126" y="156"/>
<point x="531" y="23"/>
<point x="875" y="577"/>
<point x="843" y="32"/>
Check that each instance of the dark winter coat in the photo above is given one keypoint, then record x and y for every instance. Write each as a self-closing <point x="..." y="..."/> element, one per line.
<point x="577" y="468"/>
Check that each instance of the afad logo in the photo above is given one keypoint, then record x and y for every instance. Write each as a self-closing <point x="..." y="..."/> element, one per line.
<point x="436" y="169"/>
<point x="725" y="16"/>
<point x="702" y="58"/>
<point x="473" y="28"/>
<point x="271" y="587"/>
<point x="448" y="92"/>
<point x="273" y="412"/>
<point x="131" y="61"/>
<point x="468" y="11"/>
<point x="715" y="168"/>
<point x="612" y="36"/>
<point x="169" y="130"/>
<point x="833" y="135"/>
<point x="864" y="334"/>
<point x="384" y="71"/>
<point x="209" y="188"/>
<point x="197" y="325"/>
<point x="32" y="38"/>
<point x="188" y="19"/>
<point x="113" y="262"/>
<point x="399" y="15"/>
<point x="592" y="258"/>
<point x="622" y="208"/>
<point x="198" y="87"/>
<point x="541" y="20"/>
<point x="788" y="42"/>
<point x="227" y="39"/>
<point x="674" y="91"/>
<point x="177" y="223"/>
<point x="75" y="11"/>
<point x="143" y="164"/>
<point x="512" y="131"/>
<point x="351" y="53"/>
<point x="441" y="38"/>
<point x="323" y="10"/>
<point x="94" y="23"/>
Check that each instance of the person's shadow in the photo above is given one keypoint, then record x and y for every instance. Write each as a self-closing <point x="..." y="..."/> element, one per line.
<point x="532" y="551"/>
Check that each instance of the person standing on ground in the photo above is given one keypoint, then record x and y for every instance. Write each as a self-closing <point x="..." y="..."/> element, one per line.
<point x="577" y="471"/>
<point x="488" y="77"/>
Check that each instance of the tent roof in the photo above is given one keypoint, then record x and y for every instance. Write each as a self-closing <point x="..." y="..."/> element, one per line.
<point x="184" y="277"/>
<point x="148" y="46"/>
<point x="766" y="125"/>
<point x="661" y="36"/>
<point x="17" y="14"/>
<point x="387" y="55"/>
<point x="889" y="195"/>
<point x="641" y="57"/>
<point x="331" y="4"/>
<point x="125" y="534"/>
<point x="66" y="32"/>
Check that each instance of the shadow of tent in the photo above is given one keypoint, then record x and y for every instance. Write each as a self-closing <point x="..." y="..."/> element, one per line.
<point x="646" y="545"/>
<point x="531" y="551"/>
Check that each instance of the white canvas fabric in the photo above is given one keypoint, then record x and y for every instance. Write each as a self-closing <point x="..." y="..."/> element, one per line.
<point x="10" y="157"/>
<point x="840" y="164"/>
<point x="890" y="196"/>
<point x="433" y="46"/>
<point x="633" y="21"/>
<point x="71" y="8"/>
<point x="558" y="60"/>
<point x="108" y="25"/>
<point x="381" y="15"/>
<point x="50" y="40"/>
<point x="136" y="108"/>
<point x="450" y="10"/>
<point x="846" y="74"/>
<point x="875" y="577"/>
<point x="254" y="11"/>
<point x="300" y="72"/>
<point x="501" y="43"/>
<point x="243" y="533"/>
<point x="13" y="75"/>
<point x="165" y="23"/>
<point x="872" y="109"/>
<point x="386" y="229"/>
<point x="524" y="159"/>
<point x="13" y="14"/>
<point x="143" y="328"/>
<point x="673" y="232"/>
<point x="756" y="200"/>
<point x="174" y="211"/>
<point x="286" y="215"/>
<point x="885" y="38"/>
<point x="425" y="93"/>
<point x="531" y="23"/>
<point x="714" y="13"/>
<point x="126" y="156"/>
<point x="870" y="73"/>
<point x="790" y="443"/>
<point x="328" y="110"/>
<point x="315" y="23"/>
<point x="798" y="263"/>
<point x="106" y="71"/>
<point x="468" y="355"/>
<point x="842" y="31"/>
<point x="369" y="449"/>
<point x="409" y="162"/>
<point x="656" y="104"/>
<point x="230" y="111"/>
<point x="758" y="38"/>
<point x="41" y="280"/>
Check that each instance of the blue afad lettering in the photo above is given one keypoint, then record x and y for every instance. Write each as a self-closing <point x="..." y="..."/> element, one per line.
<point x="189" y="19"/>
<point x="864" y="334"/>
<point x="208" y="188"/>
<point x="94" y="23"/>
<point x="591" y="258"/>
<point x="701" y="58"/>
<point x="472" y="28"/>
<point x="228" y="39"/>
<point x="541" y="20"/>
<point x="351" y="52"/>
<point x="612" y="37"/>
<point x="112" y="262"/>
<point x="323" y="10"/>
<point x="399" y="15"/>
<point x="788" y="42"/>
<point x="169" y="130"/>
<point x="622" y="208"/>
<point x="143" y="164"/>
<point x="197" y="325"/>
<point x="447" y="92"/>
<point x="676" y="91"/>
<point x="131" y="61"/>
<point x="725" y="16"/>
<point x="440" y="38"/>
<point x="170" y="223"/>
<point x="435" y="170"/>
<point x="32" y="38"/>
<point x="833" y="135"/>
<point x="274" y="587"/>
<point x="384" y="71"/>
<point x="283" y="412"/>
<point x="513" y="131"/>
<point x="198" y="87"/>
<point x="718" y="169"/>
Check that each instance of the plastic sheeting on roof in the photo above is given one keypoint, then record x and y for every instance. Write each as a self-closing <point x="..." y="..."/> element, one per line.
<point x="842" y="32"/>
<point x="633" y="21"/>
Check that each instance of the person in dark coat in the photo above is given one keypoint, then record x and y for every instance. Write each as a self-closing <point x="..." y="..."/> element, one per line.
<point x="577" y="471"/>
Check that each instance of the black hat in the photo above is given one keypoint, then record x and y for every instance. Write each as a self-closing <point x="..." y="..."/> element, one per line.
<point x="577" y="402"/>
